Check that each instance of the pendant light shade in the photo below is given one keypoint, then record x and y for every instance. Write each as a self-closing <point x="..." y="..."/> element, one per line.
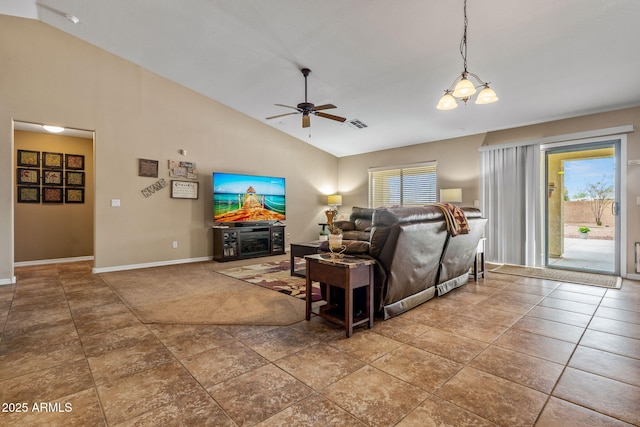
<point x="464" y="88"/>
<point x="447" y="102"/>
<point x="486" y="96"/>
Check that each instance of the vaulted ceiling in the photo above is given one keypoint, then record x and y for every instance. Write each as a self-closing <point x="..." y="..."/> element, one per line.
<point x="383" y="63"/>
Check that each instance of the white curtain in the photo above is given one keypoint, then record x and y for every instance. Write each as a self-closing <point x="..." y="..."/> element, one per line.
<point x="510" y="193"/>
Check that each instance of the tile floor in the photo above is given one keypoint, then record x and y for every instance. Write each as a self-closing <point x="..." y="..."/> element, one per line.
<point x="506" y="351"/>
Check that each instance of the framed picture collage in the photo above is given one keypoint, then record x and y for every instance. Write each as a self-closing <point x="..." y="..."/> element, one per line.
<point x="45" y="177"/>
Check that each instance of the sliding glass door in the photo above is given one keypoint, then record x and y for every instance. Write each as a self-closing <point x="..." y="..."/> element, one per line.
<point x="582" y="204"/>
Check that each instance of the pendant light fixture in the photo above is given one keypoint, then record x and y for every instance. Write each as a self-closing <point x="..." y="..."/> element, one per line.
<point x="462" y="87"/>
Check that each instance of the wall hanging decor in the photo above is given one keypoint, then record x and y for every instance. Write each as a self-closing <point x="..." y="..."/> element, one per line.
<point x="74" y="195"/>
<point x="52" y="160"/>
<point x="28" y="194"/>
<point x="28" y="176"/>
<point x="182" y="170"/>
<point x="184" y="190"/>
<point x="52" y="177"/>
<point x="74" y="179"/>
<point x="74" y="161"/>
<point x="29" y="158"/>
<point x="52" y="195"/>
<point x="148" y="168"/>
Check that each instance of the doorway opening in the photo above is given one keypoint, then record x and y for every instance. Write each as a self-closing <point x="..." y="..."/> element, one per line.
<point x="54" y="218"/>
<point x="582" y="203"/>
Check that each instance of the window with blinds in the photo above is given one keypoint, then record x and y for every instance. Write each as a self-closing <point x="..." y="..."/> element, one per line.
<point x="408" y="185"/>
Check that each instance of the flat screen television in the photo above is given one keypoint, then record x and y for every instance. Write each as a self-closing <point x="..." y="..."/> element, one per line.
<point x="239" y="198"/>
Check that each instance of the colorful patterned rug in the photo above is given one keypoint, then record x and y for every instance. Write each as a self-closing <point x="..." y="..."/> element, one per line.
<point x="275" y="276"/>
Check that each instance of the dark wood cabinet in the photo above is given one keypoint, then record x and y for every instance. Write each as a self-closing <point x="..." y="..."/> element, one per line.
<point x="231" y="243"/>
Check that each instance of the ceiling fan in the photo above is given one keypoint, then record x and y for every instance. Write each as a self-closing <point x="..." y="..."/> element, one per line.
<point x="306" y="108"/>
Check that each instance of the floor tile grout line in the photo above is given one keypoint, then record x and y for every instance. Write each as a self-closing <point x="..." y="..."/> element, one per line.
<point x="86" y="359"/>
<point x="566" y="365"/>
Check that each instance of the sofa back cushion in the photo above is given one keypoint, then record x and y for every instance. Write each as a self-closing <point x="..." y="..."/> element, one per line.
<point x="361" y="218"/>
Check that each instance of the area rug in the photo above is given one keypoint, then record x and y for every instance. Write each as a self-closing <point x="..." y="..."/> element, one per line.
<point x="582" y="278"/>
<point x="275" y="275"/>
<point x="195" y="294"/>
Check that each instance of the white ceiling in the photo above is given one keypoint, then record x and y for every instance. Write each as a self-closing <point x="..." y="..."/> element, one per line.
<point x="382" y="62"/>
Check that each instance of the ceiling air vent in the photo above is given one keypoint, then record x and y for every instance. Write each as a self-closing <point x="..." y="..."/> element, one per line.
<point x="356" y="124"/>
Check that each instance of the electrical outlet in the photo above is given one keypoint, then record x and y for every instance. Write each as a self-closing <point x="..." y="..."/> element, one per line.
<point x="288" y="236"/>
<point x="175" y="244"/>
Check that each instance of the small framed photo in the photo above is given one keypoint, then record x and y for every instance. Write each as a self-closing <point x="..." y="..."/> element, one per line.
<point x="52" y="194"/>
<point x="74" y="179"/>
<point x="148" y="168"/>
<point x="74" y="161"/>
<point x="184" y="190"/>
<point x="28" y="176"/>
<point x="29" y="158"/>
<point x="74" y="195"/>
<point x="28" y="194"/>
<point x="52" y="160"/>
<point x="52" y="177"/>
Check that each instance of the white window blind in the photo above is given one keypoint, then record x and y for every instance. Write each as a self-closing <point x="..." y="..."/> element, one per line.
<point x="408" y="185"/>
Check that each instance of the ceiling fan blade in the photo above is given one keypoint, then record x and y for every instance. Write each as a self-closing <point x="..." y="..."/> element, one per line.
<point x="306" y="121"/>
<point x="287" y="106"/>
<point x="281" y="115"/>
<point x="325" y="107"/>
<point x="331" y="116"/>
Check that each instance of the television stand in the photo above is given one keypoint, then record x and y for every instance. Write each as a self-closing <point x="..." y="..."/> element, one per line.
<point x="241" y="241"/>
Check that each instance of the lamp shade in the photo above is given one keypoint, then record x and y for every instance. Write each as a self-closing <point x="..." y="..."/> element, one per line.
<point x="334" y="200"/>
<point x="447" y="102"/>
<point x="486" y="96"/>
<point x="464" y="89"/>
<point x="451" y="195"/>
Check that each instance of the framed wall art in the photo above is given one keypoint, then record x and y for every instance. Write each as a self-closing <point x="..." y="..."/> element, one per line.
<point x="74" y="179"/>
<point x="74" y="195"/>
<point x="52" y="160"/>
<point x="28" y="176"/>
<point x="74" y="161"/>
<point x="28" y="194"/>
<point x="52" y="195"/>
<point x="148" y="168"/>
<point x="29" y="158"/>
<point x="184" y="190"/>
<point x="53" y="177"/>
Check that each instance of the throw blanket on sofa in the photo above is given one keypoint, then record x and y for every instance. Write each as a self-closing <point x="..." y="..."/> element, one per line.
<point x="455" y="218"/>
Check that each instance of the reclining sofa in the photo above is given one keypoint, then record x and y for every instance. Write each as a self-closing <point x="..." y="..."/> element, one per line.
<point x="417" y="256"/>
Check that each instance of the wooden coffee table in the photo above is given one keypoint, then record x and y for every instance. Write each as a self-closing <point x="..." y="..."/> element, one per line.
<point x="300" y="250"/>
<point x="348" y="273"/>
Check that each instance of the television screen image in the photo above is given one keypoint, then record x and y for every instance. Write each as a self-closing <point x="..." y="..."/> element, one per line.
<point x="239" y="198"/>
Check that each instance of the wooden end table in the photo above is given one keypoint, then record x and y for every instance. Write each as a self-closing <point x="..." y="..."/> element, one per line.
<point x="348" y="273"/>
<point x="300" y="250"/>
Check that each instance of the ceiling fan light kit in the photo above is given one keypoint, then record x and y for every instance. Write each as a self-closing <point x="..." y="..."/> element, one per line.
<point x="462" y="87"/>
<point x="306" y="108"/>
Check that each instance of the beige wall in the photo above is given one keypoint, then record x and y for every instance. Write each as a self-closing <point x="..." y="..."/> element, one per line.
<point x="50" y="77"/>
<point x="52" y="231"/>
<point x="458" y="167"/>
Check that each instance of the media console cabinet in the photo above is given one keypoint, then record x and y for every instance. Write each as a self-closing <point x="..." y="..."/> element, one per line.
<point x="247" y="241"/>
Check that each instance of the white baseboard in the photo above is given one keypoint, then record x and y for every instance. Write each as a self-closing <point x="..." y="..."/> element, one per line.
<point x="632" y="276"/>
<point x="52" y="261"/>
<point x="149" y="264"/>
<point x="9" y="281"/>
